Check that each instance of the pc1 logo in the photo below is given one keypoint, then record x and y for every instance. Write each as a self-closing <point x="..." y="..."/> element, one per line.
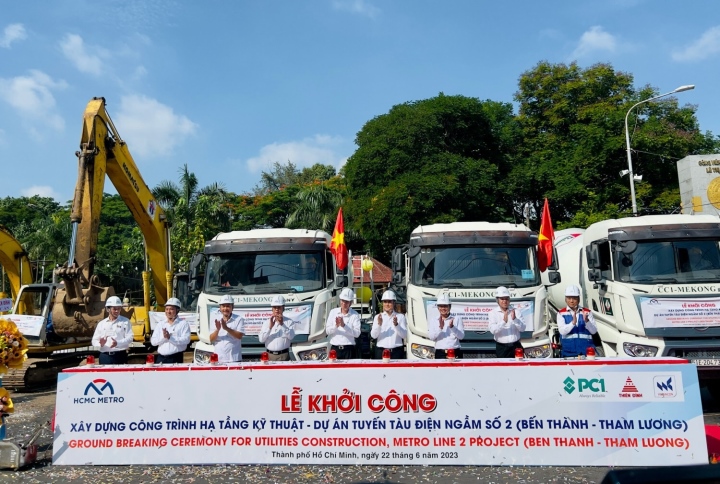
<point x="99" y="391"/>
<point x="593" y="385"/>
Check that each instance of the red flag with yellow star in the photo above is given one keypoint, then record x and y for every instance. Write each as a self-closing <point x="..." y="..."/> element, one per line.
<point x="337" y="244"/>
<point x="546" y="237"/>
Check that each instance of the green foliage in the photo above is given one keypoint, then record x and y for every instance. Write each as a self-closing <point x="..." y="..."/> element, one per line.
<point x="424" y="162"/>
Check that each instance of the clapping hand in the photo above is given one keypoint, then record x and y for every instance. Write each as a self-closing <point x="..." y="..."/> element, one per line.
<point x="166" y="333"/>
<point x="380" y="319"/>
<point x="395" y="320"/>
<point x="442" y="323"/>
<point x="103" y="340"/>
<point x="218" y="325"/>
<point x="512" y="314"/>
<point x="339" y="321"/>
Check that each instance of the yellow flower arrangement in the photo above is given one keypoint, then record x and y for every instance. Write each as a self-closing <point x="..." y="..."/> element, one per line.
<point x="13" y="346"/>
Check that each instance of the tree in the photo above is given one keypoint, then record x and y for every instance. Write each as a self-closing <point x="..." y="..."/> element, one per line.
<point x="317" y="208"/>
<point x="573" y="149"/>
<point x="437" y="160"/>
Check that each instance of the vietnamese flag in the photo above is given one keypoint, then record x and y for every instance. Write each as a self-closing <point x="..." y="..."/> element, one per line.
<point x="337" y="244"/>
<point x="545" y="239"/>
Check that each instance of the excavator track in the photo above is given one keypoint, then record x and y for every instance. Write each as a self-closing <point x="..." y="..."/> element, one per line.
<point x="38" y="373"/>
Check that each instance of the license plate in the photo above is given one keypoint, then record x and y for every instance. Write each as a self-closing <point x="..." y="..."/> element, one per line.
<point x="707" y="362"/>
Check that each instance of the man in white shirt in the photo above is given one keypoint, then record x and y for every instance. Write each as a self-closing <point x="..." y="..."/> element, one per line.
<point x="505" y="325"/>
<point x="113" y="334"/>
<point x="343" y="326"/>
<point x="228" y="334"/>
<point x="390" y="328"/>
<point x="447" y="330"/>
<point x="171" y="336"/>
<point x="277" y="332"/>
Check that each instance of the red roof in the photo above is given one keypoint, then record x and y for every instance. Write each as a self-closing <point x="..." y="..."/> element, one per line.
<point x="382" y="274"/>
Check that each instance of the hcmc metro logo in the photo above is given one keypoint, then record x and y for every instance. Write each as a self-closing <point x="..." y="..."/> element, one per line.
<point x="99" y="386"/>
<point x="98" y="391"/>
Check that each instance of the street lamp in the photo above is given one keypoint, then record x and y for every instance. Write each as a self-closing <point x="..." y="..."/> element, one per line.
<point x="627" y="139"/>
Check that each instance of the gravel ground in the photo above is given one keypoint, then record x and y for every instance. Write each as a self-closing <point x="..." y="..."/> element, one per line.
<point x="34" y="409"/>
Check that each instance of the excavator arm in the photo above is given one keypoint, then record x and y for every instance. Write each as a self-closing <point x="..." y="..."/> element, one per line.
<point x="14" y="261"/>
<point x="103" y="152"/>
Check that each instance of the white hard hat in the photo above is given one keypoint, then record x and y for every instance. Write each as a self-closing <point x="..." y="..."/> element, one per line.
<point x="502" y="291"/>
<point x="572" y="291"/>
<point x="278" y="301"/>
<point x="173" y="301"/>
<point x="227" y="299"/>
<point x="347" y="294"/>
<point x="443" y="298"/>
<point x="388" y="296"/>
<point x="113" y="301"/>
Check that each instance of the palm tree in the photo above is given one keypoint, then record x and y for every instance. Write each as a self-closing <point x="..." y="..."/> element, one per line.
<point x="318" y="207"/>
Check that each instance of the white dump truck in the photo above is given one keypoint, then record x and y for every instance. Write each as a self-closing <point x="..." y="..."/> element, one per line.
<point x="256" y="265"/>
<point x="652" y="283"/>
<point x="468" y="261"/>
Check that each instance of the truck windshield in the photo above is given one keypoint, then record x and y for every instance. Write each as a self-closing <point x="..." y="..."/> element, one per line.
<point x="263" y="273"/>
<point x="656" y="262"/>
<point x="478" y="266"/>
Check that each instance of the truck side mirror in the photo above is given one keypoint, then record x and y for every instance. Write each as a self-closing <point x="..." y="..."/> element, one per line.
<point x="593" y="256"/>
<point x="555" y="265"/>
<point x="554" y="277"/>
<point x="195" y="263"/>
<point x="341" y="281"/>
<point x="595" y="275"/>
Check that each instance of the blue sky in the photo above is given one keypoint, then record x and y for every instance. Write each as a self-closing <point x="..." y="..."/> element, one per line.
<point x="230" y="87"/>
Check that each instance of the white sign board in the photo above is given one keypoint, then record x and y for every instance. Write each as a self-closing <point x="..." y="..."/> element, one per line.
<point x="660" y="312"/>
<point x="475" y="315"/>
<point x="614" y="412"/>
<point x="28" y="325"/>
<point x="6" y="304"/>
<point x="255" y="317"/>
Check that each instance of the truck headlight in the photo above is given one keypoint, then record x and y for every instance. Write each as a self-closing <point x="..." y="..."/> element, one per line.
<point x="313" y="355"/>
<point x="422" y="351"/>
<point x="640" y="351"/>
<point x="544" y="351"/>
<point x="202" y="357"/>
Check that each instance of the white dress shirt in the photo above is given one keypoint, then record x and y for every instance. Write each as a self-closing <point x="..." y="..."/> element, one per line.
<point x="505" y="331"/>
<point x="279" y="337"/>
<point x="343" y="335"/>
<point x="119" y="331"/>
<point x="447" y="337"/>
<point x="179" y="337"/>
<point x="388" y="335"/>
<point x="228" y="347"/>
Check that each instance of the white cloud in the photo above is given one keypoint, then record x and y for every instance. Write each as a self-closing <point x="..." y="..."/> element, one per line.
<point x="41" y="190"/>
<point x="150" y="127"/>
<point x="86" y="59"/>
<point x="31" y="97"/>
<point x="359" y="7"/>
<point x="707" y="45"/>
<point x="595" y="40"/>
<point x="319" y="149"/>
<point x="12" y="33"/>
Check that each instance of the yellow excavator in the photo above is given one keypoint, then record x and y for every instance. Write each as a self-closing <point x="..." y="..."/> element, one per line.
<point x="59" y="319"/>
<point x="15" y="263"/>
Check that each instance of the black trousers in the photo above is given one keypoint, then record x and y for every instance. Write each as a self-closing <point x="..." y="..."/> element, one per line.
<point x="167" y="359"/>
<point x="506" y="350"/>
<point x="344" y="352"/>
<point x="113" y="358"/>
<point x="442" y="354"/>
<point x="395" y="353"/>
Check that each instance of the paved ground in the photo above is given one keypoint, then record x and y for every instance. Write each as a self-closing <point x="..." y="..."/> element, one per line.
<point x="33" y="409"/>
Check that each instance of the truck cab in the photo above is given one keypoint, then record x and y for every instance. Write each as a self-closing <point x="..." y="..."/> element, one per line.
<point x="256" y="265"/>
<point x="468" y="261"/>
<point x="652" y="283"/>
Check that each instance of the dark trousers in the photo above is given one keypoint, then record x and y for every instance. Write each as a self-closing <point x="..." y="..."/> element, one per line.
<point x="167" y="359"/>
<point x="395" y="353"/>
<point x="113" y="357"/>
<point x="344" y="352"/>
<point x="442" y="354"/>
<point x="506" y="350"/>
